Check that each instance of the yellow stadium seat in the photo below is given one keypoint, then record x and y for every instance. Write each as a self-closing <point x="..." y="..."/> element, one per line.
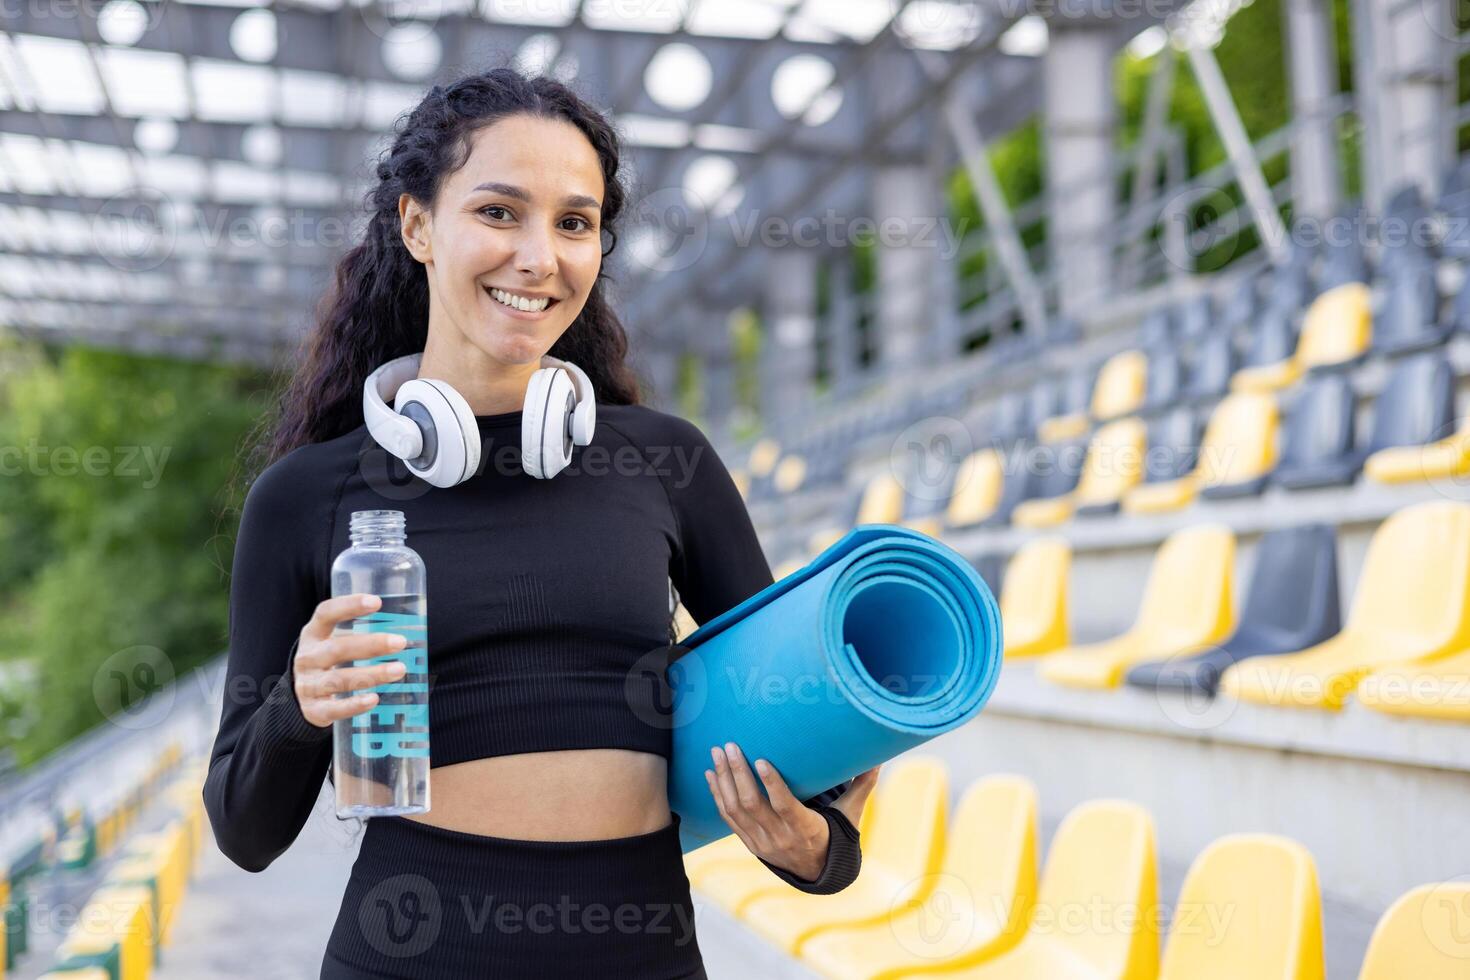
<point x="733" y="877"/>
<point x="901" y="854"/>
<point x="1337" y="329"/>
<point x="1113" y="465"/>
<point x="702" y="859"/>
<point x="787" y="567"/>
<point x="978" y="909"/>
<point x="931" y="526"/>
<point x="1438" y="689"/>
<point x="1237" y="452"/>
<point x="1102" y="858"/>
<point x="1063" y="428"/>
<point x="1249" y="907"/>
<point x="1409" y="607"/>
<point x="1405" y="464"/>
<point x="1033" y="598"/>
<point x="881" y="503"/>
<point x="763" y="456"/>
<point x="789" y="474"/>
<point x="1120" y="385"/>
<point x="977" y="491"/>
<point x="1186" y="606"/>
<point x="80" y="973"/>
<point x="741" y="479"/>
<point x="684" y="623"/>
<point x="1425" y="935"/>
<point x="116" y="923"/>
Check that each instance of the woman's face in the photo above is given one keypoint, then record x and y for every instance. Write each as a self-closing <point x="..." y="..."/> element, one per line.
<point x="519" y="222"/>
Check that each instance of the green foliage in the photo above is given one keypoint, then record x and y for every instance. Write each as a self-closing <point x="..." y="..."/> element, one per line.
<point x="114" y="522"/>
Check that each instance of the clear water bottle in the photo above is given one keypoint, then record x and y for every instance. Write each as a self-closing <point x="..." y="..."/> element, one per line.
<point x="380" y="757"/>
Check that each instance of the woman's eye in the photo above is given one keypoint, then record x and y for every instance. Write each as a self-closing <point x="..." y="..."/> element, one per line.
<point x="493" y="207"/>
<point x="583" y="222"/>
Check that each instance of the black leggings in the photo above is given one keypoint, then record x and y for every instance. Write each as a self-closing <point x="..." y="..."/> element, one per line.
<point x="425" y="903"/>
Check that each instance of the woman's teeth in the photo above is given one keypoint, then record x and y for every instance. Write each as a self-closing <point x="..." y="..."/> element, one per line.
<point x="521" y="303"/>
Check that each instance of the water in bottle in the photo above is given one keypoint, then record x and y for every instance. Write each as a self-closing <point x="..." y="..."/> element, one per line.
<point x="380" y="757"/>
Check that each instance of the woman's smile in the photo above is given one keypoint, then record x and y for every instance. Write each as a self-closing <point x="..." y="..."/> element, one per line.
<point x="522" y="306"/>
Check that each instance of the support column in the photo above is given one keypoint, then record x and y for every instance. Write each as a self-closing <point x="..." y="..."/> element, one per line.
<point x="842" y="333"/>
<point x="711" y="332"/>
<point x="906" y="203"/>
<point x="1080" y="119"/>
<point x="1312" y="60"/>
<point x="788" y="341"/>
<point x="1404" y="61"/>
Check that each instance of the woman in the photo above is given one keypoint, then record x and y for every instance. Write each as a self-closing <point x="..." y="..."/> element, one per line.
<point x="550" y="849"/>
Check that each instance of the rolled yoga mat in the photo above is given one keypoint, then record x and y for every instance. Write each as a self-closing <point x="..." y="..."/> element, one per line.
<point x="883" y="641"/>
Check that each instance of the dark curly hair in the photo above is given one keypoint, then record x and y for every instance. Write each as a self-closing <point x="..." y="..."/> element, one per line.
<point x="378" y="307"/>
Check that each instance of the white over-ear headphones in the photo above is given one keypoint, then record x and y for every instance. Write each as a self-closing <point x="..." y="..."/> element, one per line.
<point x="433" y="430"/>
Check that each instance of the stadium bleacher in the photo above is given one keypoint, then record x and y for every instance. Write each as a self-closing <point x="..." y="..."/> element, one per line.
<point x="1295" y="428"/>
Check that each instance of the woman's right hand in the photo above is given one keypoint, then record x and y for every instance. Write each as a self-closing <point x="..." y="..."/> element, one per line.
<point x="318" y="678"/>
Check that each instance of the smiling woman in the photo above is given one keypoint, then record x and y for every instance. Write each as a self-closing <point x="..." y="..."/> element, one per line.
<point x="550" y="602"/>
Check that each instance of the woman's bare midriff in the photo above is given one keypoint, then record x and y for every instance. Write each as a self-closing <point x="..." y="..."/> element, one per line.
<point x="570" y="794"/>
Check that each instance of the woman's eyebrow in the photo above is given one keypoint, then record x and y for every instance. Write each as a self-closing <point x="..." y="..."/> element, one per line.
<point x="520" y="194"/>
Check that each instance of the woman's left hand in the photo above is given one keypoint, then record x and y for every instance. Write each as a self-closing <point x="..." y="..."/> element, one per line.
<point x="781" y="829"/>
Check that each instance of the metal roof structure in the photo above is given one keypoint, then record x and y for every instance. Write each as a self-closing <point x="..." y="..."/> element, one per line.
<point x="181" y="176"/>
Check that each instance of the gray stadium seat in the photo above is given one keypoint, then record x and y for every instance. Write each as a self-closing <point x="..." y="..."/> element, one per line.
<point x="1409" y="320"/>
<point x="1292" y="604"/>
<point x="1165" y="382"/>
<point x="1318" y="440"/>
<point x="1173" y="446"/>
<point x="1209" y="374"/>
<point x="1416" y="406"/>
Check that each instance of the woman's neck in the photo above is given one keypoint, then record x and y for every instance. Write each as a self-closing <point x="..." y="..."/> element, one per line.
<point x="490" y="387"/>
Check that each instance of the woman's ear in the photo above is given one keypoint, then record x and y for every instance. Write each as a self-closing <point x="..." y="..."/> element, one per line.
<point x="414" y="226"/>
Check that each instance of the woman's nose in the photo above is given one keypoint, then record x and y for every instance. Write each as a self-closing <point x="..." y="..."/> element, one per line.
<point x="536" y="254"/>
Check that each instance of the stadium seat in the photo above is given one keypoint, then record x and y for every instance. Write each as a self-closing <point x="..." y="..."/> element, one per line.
<point x="1120" y="385"/>
<point x="1317" y="444"/>
<point x="789" y="474"/>
<point x="1409" y="320"/>
<point x="1242" y="306"/>
<point x="1173" y="446"/>
<point x="880" y="502"/>
<point x="992" y="568"/>
<point x="1425" y="935"/>
<point x="1414" y="412"/>
<point x="978" y="909"/>
<point x="1071" y="421"/>
<point x="1051" y="473"/>
<point x="1343" y="260"/>
<point x="1209" y="374"/>
<point x="1236" y="457"/>
<point x="1454" y="202"/>
<point x="1270" y="343"/>
<point x="1292" y="604"/>
<point x="1156" y="332"/>
<point x="977" y="489"/>
<point x="901" y="857"/>
<point x="1165" y="384"/>
<point x="1335" y="334"/>
<point x="1437" y="689"/>
<point x="1460" y="309"/>
<point x="1102" y="857"/>
<point x="1275" y="929"/>
<point x="1193" y="318"/>
<point x="1409" y="607"/>
<point x="1186" y="606"/>
<point x="1411" y="240"/>
<point x="1113" y="465"/>
<point x="726" y="871"/>
<point x="1033" y="598"/>
<point x="1010" y="421"/>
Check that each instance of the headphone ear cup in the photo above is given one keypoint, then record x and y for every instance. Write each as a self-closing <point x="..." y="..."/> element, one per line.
<point x="451" y="435"/>
<point x="545" y="424"/>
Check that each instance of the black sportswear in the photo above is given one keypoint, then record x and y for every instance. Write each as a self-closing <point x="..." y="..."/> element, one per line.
<point x="544" y="597"/>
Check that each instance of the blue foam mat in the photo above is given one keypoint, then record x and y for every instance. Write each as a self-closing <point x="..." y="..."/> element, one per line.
<point x="883" y="641"/>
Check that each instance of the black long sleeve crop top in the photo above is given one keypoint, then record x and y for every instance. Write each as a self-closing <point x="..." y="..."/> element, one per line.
<point x="543" y="595"/>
